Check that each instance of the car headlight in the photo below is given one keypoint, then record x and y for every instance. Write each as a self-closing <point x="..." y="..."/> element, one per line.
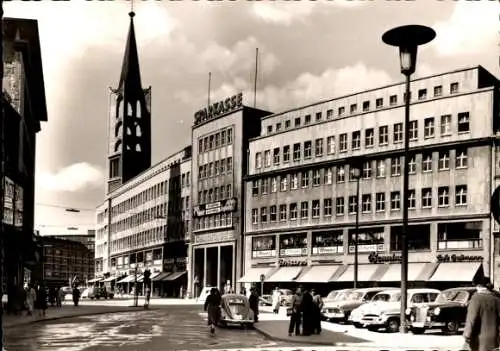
<point x="408" y="311"/>
<point x="436" y="311"/>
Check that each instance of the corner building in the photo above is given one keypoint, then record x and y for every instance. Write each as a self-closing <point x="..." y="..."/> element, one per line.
<point x="301" y="190"/>
<point x="220" y="137"/>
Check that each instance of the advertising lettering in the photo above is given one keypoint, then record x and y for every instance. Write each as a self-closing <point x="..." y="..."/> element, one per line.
<point x="459" y="258"/>
<point x="223" y="206"/>
<point x="263" y="253"/>
<point x="327" y="250"/>
<point x="291" y="263"/>
<point x="294" y="252"/>
<point x="376" y="258"/>
<point x="367" y="248"/>
<point x="218" y="108"/>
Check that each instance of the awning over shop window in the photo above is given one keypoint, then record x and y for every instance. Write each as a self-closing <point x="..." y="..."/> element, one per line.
<point x="129" y="279"/>
<point x="160" y="276"/>
<point x="318" y="274"/>
<point x="393" y="274"/>
<point x="285" y="274"/>
<point x="153" y="275"/>
<point x="456" y="272"/>
<point x="365" y="273"/>
<point x="173" y="276"/>
<point x="252" y="275"/>
<point x="95" y="280"/>
<point x="110" y="279"/>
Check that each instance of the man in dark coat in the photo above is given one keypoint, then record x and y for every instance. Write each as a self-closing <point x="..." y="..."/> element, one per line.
<point x="253" y="301"/>
<point x="482" y="325"/>
<point x="318" y="306"/>
<point x="212" y="306"/>
<point x="307" y="308"/>
<point x="295" y="313"/>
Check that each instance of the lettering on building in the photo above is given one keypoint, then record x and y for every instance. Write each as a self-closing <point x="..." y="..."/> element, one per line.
<point x="218" y="108"/>
<point x="459" y="258"/>
<point x="223" y="206"/>
<point x="376" y="258"/>
<point x="291" y="263"/>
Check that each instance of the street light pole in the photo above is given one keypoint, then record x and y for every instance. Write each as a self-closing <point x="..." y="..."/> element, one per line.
<point x="356" y="231"/>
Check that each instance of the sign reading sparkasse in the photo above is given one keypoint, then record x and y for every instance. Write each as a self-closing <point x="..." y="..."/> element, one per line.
<point x="218" y="108"/>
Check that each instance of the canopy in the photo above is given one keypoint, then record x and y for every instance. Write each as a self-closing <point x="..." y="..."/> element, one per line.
<point x="252" y="275"/>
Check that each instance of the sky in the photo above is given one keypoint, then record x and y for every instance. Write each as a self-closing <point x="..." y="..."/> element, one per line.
<point x="308" y="51"/>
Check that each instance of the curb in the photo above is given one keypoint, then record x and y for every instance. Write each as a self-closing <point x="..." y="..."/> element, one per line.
<point x="299" y="339"/>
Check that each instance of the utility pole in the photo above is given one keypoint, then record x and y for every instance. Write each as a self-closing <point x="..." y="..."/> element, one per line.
<point x="2" y="175"/>
<point x="136" y="292"/>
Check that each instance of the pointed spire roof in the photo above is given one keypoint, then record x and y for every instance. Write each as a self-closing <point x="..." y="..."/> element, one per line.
<point x="130" y="67"/>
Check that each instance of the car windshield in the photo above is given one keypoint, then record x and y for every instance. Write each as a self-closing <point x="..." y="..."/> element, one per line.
<point x="331" y="295"/>
<point x="386" y="297"/>
<point x="355" y="296"/>
<point x="453" y="295"/>
<point x="342" y="296"/>
<point x="235" y="301"/>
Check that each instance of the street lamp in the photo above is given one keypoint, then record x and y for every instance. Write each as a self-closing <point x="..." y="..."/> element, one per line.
<point x="407" y="39"/>
<point x="355" y="170"/>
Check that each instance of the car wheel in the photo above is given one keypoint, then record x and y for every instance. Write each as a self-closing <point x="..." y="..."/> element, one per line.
<point x="392" y="325"/>
<point x="417" y="331"/>
<point x="451" y="327"/>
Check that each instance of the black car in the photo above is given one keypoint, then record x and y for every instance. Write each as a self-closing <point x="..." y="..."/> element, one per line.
<point x="448" y="312"/>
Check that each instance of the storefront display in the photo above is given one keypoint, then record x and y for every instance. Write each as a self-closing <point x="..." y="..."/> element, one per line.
<point x="328" y="242"/>
<point x="264" y="246"/>
<point x="293" y="244"/>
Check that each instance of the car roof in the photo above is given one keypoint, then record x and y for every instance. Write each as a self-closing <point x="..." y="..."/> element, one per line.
<point x="373" y="289"/>
<point x="424" y="290"/>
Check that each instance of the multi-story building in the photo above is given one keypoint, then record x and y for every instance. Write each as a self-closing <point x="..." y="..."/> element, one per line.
<point x="25" y="108"/>
<point x="219" y="139"/>
<point x="87" y="239"/>
<point x="301" y="198"/>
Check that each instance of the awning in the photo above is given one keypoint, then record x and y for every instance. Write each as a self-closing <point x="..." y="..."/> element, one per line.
<point x="285" y="274"/>
<point x="319" y="274"/>
<point x="173" y="276"/>
<point x="365" y="273"/>
<point x="393" y="274"/>
<point x="456" y="272"/>
<point x="252" y="275"/>
<point x="129" y="279"/>
<point x="161" y="276"/>
<point x="110" y="279"/>
<point x="141" y="279"/>
<point x="95" y="280"/>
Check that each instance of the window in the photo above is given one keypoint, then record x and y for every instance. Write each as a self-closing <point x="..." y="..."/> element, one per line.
<point x="278" y="127"/>
<point x="223" y="138"/>
<point x="380" y="202"/>
<point x="295" y="181"/>
<point x="288" y="123"/>
<point x="445" y="124"/>
<point x="383" y="135"/>
<point x="429" y="127"/>
<point x="305" y="179"/>
<point x="267" y="158"/>
<point x="438" y="90"/>
<point x="315" y="208"/>
<point x="393" y="100"/>
<point x="217" y="167"/>
<point x="307" y="149"/>
<point x="316" y="177"/>
<point x="380" y="168"/>
<point x="229" y="164"/>
<point x="282" y="212"/>
<point x="367" y="203"/>
<point x="443" y="196"/>
<point x="341" y="111"/>
<point x="263" y="214"/>
<point x="398" y="132"/>
<point x="269" y="129"/>
<point x="307" y="119"/>
<point x="367" y="170"/>
<point x="318" y="147"/>
<point x="255" y="216"/>
<point x="264" y="185"/>
<point x="329" y="114"/>
<point x="422" y="94"/>
<point x="427" y="163"/>
<point x="340" y="174"/>
<point x="353" y="204"/>
<point x="453" y="88"/>
<point x="356" y="140"/>
<point x="379" y="103"/>
<point x="426" y="197"/>
<point x="211" y="142"/>
<point x="229" y="136"/>
<point x="339" y="206"/>
<point x="255" y="188"/>
<point x="366" y="106"/>
<point x="274" y="184"/>
<point x="343" y="142"/>
<point x="395" y="201"/>
<point x="330" y="145"/>
<point x="463" y="122"/>
<point x="354" y="108"/>
<point x="293" y="211"/>
<point x="276" y="156"/>
<point x="413" y="130"/>
<point x="258" y="160"/>
<point x="283" y="183"/>
<point x="272" y="213"/>
<point x="412" y="199"/>
<point x="200" y="146"/>
<point x="318" y="116"/>
<point x="304" y="209"/>
<point x="328" y="176"/>
<point x="286" y="154"/>
<point x="412" y="165"/>
<point x="369" y="136"/>
<point x="444" y="161"/>
<point x="395" y="166"/>
<point x="297" y="122"/>
<point x="461" y="158"/>
<point x="461" y="195"/>
<point x="296" y="152"/>
<point x="327" y="207"/>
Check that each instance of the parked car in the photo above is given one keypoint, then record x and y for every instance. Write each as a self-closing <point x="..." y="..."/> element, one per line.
<point x="448" y="312"/>
<point x="265" y="300"/>
<point x="334" y="295"/>
<point x="203" y="294"/>
<point x="358" y="313"/>
<point x="286" y="297"/>
<point x="341" y="309"/>
<point x="386" y="313"/>
<point x="235" y="310"/>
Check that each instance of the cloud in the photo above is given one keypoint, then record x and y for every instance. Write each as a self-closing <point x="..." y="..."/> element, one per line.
<point x="73" y="178"/>
<point x="471" y="29"/>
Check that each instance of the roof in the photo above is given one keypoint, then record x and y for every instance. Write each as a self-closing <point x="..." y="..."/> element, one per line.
<point x="130" y="65"/>
<point x="29" y="42"/>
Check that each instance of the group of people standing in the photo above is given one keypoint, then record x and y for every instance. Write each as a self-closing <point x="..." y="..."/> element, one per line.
<point x="305" y="312"/>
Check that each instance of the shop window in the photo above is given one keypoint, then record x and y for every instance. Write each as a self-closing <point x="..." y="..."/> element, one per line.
<point x="293" y="244"/>
<point x="328" y="242"/>
<point x="419" y="237"/>
<point x="460" y="235"/>
<point x="264" y="246"/>
<point x="369" y="240"/>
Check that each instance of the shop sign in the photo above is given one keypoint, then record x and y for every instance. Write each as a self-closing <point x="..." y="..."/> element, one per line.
<point x="157" y="262"/>
<point x="228" y="205"/>
<point x="218" y="108"/>
<point x="327" y="250"/>
<point x="263" y="253"/>
<point x="294" y="252"/>
<point x="458" y="258"/>
<point x="291" y="263"/>
<point x="376" y="258"/>
<point x="367" y="248"/>
<point x="213" y="237"/>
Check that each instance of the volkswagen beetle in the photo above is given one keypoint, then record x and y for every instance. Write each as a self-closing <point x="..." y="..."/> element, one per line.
<point x="235" y="310"/>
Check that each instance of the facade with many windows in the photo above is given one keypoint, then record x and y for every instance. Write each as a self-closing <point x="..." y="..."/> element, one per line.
<point x="301" y="198"/>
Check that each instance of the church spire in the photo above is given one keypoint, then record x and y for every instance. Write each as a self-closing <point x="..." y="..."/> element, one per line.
<point x="131" y="73"/>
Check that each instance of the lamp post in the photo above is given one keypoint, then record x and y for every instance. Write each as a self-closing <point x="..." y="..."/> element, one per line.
<point x="355" y="170"/>
<point x="407" y="39"/>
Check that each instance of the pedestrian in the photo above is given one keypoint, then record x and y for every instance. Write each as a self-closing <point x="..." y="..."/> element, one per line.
<point x="481" y="332"/>
<point x="276" y="297"/>
<point x="253" y="300"/>
<point x="61" y="295"/>
<point x="243" y="291"/>
<point x="76" y="295"/>
<point x="52" y="296"/>
<point x="318" y="306"/>
<point x="30" y="299"/>
<point x="41" y="300"/>
<point x="295" y="313"/>
<point x="307" y="308"/>
<point x="212" y="307"/>
<point x="148" y="296"/>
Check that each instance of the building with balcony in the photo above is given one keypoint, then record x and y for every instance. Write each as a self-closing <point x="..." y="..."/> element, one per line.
<point x="300" y="193"/>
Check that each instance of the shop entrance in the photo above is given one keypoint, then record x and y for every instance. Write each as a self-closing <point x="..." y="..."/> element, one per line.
<point x="213" y="267"/>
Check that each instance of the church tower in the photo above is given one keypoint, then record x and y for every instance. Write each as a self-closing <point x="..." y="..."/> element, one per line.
<point x="129" y="150"/>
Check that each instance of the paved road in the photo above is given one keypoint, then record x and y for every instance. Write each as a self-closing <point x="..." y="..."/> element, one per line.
<point x="166" y="328"/>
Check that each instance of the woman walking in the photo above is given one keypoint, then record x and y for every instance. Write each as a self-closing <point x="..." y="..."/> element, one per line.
<point x="212" y="306"/>
<point x="30" y="299"/>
